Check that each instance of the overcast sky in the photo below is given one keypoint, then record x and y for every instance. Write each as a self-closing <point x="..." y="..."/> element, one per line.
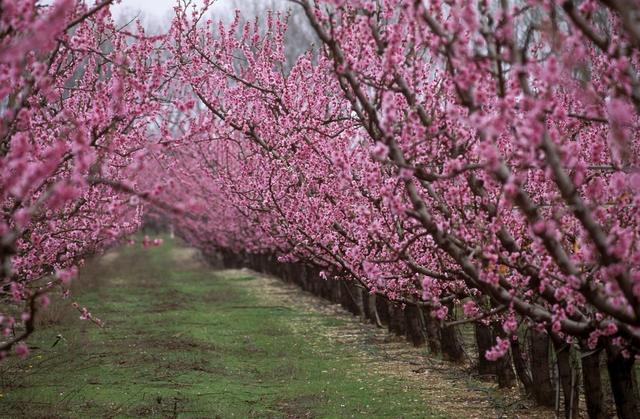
<point x="152" y="10"/>
<point x="156" y="14"/>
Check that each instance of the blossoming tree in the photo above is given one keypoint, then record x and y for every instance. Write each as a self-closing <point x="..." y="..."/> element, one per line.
<point x="481" y="153"/>
<point x="76" y="103"/>
<point x="466" y="161"/>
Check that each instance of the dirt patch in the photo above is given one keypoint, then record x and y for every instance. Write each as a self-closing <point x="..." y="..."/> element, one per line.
<point x="167" y="306"/>
<point x="298" y="407"/>
<point x="219" y="296"/>
<point x="179" y="344"/>
<point x="187" y="257"/>
<point x="109" y="257"/>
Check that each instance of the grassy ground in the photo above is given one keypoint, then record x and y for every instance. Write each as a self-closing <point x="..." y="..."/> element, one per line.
<point x="182" y="341"/>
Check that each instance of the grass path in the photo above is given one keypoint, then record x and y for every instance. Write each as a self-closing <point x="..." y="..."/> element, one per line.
<point x="181" y="340"/>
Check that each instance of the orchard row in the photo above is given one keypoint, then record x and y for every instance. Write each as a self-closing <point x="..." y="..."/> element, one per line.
<point x="462" y="159"/>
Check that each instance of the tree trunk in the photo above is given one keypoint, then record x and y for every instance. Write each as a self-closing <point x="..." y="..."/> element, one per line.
<point x="623" y="384"/>
<point x="432" y="328"/>
<point x="349" y="297"/>
<point x="568" y="379"/>
<point x="451" y="345"/>
<point x="593" y="386"/>
<point x="382" y="307"/>
<point x="303" y="277"/>
<point x="521" y="367"/>
<point x="542" y="387"/>
<point x="415" y="332"/>
<point x="324" y="287"/>
<point x="484" y="342"/>
<point x="336" y="293"/>
<point x="396" y="320"/>
<point x="356" y="293"/>
<point x="367" y="308"/>
<point x="504" y="365"/>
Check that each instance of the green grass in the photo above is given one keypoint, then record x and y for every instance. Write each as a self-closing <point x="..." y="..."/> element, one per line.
<point x="181" y="340"/>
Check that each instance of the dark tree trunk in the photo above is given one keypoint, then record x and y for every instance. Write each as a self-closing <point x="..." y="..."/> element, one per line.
<point x="504" y="364"/>
<point x="367" y="309"/>
<point x="451" y="345"/>
<point x="396" y="320"/>
<point x="356" y="293"/>
<point x="264" y="262"/>
<point x="321" y="287"/>
<point x="594" y="395"/>
<point x="325" y="287"/>
<point x="523" y="373"/>
<point x="415" y="332"/>
<point x="292" y="273"/>
<point x="382" y="307"/>
<point x="484" y="341"/>
<point x="349" y="297"/>
<point x="336" y="293"/>
<point x="623" y="384"/>
<point x="542" y="387"/>
<point x="432" y="328"/>
<point x="568" y="379"/>
<point x="301" y="274"/>
<point x="373" y="308"/>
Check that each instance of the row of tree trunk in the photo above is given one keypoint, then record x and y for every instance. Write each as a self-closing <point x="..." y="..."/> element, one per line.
<point x="555" y="374"/>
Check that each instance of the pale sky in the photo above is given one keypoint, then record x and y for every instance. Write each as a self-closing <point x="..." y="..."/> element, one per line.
<point x="156" y="14"/>
<point x="152" y="10"/>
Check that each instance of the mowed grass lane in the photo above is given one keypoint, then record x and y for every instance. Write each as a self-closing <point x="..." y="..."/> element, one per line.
<point x="181" y="340"/>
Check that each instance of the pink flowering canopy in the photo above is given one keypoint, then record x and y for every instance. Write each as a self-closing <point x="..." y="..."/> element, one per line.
<point x="481" y="153"/>
<point x="77" y="99"/>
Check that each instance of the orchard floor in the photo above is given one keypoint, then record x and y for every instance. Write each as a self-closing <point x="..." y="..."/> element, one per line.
<point x="182" y="340"/>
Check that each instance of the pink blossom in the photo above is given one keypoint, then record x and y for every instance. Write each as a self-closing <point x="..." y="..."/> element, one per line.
<point x="510" y="325"/>
<point x="470" y="308"/>
<point x="44" y="301"/>
<point x="498" y="350"/>
<point x="22" y="350"/>
<point x="380" y="151"/>
<point x="66" y="275"/>
<point x="441" y="312"/>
